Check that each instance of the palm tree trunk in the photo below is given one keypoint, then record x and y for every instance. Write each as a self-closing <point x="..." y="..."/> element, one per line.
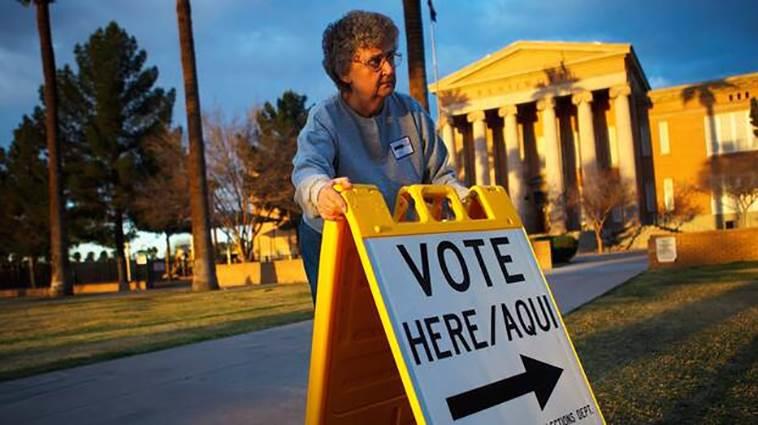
<point x="169" y="274"/>
<point x="32" y="277"/>
<point x="204" y="270"/>
<point x="118" y="236"/>
<point x="60" y="284"/>
<point x="414" y="36"/>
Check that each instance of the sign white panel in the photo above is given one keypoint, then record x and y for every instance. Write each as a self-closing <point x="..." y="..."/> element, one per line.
<point x="478" y="331"/>
<point x="665" y="249"/>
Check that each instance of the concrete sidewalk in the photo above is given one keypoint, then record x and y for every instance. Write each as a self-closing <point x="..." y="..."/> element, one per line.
<point x="256" y="378"/>
<point x="591" y="275"/>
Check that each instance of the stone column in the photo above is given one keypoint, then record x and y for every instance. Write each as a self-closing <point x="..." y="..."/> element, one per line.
<point x="516" y="186"/>
<point x="448" y="137"/>
<point x="553" y="165"/>
<point x="480" y="147"/>
<point x="625" y="141"/>
<point x="587" y="153"/>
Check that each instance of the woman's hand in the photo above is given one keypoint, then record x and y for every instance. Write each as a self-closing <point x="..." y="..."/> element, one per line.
<point x="329" y="203"/>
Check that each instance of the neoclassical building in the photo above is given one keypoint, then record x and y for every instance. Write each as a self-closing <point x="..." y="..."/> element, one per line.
<point x="535" y="117"/>
<point x="541" y="118"/>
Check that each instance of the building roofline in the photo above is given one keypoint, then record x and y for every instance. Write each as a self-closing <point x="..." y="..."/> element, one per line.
<point x="666" y="90"/>
<point x="599" y="47"/>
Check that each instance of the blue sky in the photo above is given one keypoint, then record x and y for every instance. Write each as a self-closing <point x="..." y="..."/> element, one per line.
<point x="250" y="51"/>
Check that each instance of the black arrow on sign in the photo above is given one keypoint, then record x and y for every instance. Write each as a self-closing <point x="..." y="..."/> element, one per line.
<point x="539" y="377"/>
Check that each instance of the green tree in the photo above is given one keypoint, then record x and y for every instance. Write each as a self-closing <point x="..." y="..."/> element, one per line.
<point x="60" y="283"/>
<point x="103" y="257"/>
<point x="204" y="267"/>
<point x="4" y="213"/>
<point x="25" y="198"/>
<point x="168" y="187"/>
<point x="269" y="162"/>
<point x="112" y="107"/>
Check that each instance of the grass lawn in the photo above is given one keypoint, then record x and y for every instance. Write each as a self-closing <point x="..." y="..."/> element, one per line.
<point x="39" y="335"/>
<point x="674" y="347"/>
<point x="668" y="347"/>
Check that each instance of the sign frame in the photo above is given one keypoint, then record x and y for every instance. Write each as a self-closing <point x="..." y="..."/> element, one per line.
<point x="367" y="217"/>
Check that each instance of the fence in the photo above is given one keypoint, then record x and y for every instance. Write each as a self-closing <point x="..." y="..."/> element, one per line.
<point x="16" y="275"/>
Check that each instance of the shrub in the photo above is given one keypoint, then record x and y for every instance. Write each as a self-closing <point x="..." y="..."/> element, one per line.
<point x="562" y="247"/>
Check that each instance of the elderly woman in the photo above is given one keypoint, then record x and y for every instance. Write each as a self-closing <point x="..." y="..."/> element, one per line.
<point x="366" y="133"/>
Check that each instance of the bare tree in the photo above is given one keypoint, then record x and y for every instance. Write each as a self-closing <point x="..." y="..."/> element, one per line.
<point x="681" y="209"/>
<point x="204" y="267"/>
<point x="230" y="147"/>
<point x="602" y="193"/>
<point x="60" y="283"/>
<point x="735" y="177"/>
<point x="169" y="188"/>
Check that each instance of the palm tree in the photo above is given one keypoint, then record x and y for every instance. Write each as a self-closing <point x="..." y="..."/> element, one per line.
<point x="60" y="284"/>
<point x="414" y="36"/>
<point x="204" y="269"/>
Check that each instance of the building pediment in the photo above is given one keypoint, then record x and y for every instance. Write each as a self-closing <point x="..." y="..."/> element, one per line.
<point x="554" y="60"/>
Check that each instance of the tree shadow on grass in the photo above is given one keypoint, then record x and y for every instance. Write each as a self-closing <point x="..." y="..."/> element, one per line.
<point x="605" y="352"/>
<point x="653" y="281"/>
<point x="708" y="398"/>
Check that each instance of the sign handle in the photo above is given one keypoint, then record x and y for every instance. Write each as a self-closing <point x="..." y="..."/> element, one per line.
<point x="422" y="196"/>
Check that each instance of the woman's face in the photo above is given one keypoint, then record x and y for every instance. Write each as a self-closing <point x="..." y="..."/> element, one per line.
<point x="372" y="73"/>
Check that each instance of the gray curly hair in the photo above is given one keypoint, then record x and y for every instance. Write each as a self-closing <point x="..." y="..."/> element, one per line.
<point x="345" y="36"/>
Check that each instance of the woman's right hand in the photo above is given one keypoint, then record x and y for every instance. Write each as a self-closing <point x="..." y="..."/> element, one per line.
<point x="329" y="203"/>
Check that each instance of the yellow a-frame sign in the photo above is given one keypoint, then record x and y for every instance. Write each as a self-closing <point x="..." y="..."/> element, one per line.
<point x="438" y="320"/>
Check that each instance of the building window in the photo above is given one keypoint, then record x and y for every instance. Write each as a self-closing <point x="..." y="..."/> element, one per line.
<point x="617" y="215"/>
<point x="663" y="137"/>
<point x="668" y="194"/>
<point x="729" y="132"/>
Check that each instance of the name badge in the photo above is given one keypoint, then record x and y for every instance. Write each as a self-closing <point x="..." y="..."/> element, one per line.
<point x="402" y="147"/>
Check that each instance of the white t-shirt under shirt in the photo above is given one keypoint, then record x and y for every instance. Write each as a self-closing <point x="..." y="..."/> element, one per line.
<point x="395" y="148"/>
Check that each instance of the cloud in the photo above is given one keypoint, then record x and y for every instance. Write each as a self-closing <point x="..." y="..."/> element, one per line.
<point x="658" y="81"/>
<point x="20" y="74"/>
<point x="250" y="51"/>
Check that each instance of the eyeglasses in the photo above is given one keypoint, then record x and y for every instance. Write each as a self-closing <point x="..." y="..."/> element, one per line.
<point x="375" y="63"/>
